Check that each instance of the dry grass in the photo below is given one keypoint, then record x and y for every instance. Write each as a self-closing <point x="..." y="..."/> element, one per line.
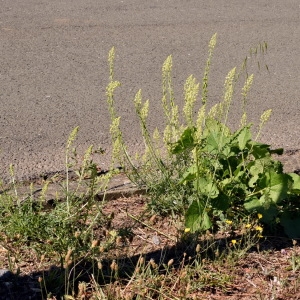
<point x="147" y="261"/>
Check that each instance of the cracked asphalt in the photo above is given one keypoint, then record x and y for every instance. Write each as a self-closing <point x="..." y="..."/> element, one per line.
<point x="53" y="69"/>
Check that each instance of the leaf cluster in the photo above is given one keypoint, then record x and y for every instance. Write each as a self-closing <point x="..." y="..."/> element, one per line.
<point x="234" y="175"/>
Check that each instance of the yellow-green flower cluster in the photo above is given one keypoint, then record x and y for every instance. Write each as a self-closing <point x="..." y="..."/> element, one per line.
<point x="191" y="90"/>
<point x="245" y="91"/>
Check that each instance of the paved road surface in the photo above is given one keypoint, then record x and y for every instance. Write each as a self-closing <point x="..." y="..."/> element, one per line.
<point x="53" y="68"/>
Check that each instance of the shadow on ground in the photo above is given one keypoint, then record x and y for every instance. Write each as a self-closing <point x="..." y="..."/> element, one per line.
<point x="53" y="283"/>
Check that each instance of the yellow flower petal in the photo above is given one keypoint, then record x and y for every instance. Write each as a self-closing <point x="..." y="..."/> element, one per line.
<point x="259" y="228"/>
<point x="233" y="242"/>
<point x="187" y="229"/>
<point x="228" y="222"/>
<point x="259" y="216"/>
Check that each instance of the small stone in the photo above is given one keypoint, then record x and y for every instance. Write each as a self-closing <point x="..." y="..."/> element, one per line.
<point x="283" y="251"/>
<point x="126" y="182"/>
<point x="155" y="240"/>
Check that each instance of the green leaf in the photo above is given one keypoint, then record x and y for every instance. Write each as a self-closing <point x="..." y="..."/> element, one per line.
<point x="263" y="165"/>
<point x="296" y="183"/>
<point x="269" y="214"/>
<point x="252" y="181"/>
<point x="196" y="217"/>
<point x="291" y="224"/>
<point x="252" y="204"/>
<point x="215" y="135"/>
<point x="258" y="205"/>
<point x="275" y="186"/>
<point x="185" y="142"/>
<point x="258" y="150"/>
<point x="244" y="137"/>
<point x="189" y="174"/>
<point x="229" y="150"/>
<point x="206" y="186"/>
<point x="222" y="202"/>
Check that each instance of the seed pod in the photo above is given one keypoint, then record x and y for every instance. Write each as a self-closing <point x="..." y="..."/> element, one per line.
<point x="95" y="243"/>
<point x="114" y="265"/>
<point x="153" y="219"/>
<point x="141" y="261"/>
<point x="170" y="262"/>
<point x="119" y="240"/>
<point x="152" y="263"/>
<point x="68" y="255"/>
<point x="77" y="234"/>
<point x="100" y="266"/>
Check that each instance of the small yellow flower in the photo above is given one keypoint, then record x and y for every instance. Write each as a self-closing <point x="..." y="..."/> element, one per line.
<point x="259" y="228"/>
<point x="229" y="222"/>
<point x="187" y="230"/>
<point x="248" y="225"/>
<point x="233" y="242"/>
<point x="259" y="216"/>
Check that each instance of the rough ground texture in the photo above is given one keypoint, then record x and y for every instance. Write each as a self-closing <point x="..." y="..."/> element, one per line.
<point x="53" y="68"/>
<point x="268" y="271"/>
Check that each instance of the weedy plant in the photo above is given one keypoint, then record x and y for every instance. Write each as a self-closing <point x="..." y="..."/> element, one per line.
<point x="200" y="168"/>
<point x="65" y="229"/>
<point x="225" y="184"/>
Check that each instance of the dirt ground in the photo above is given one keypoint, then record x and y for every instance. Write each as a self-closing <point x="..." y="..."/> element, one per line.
<point x="268" y="271"/>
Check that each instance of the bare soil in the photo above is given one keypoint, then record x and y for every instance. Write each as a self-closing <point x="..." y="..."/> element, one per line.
<point x="270" y="270"/>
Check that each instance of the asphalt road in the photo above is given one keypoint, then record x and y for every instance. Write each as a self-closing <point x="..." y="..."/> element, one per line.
<point x="53" y="68"/>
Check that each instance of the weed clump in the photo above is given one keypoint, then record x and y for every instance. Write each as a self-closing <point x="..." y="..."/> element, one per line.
<point x="199" y="168"/>
<point x="213" y="195"/>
